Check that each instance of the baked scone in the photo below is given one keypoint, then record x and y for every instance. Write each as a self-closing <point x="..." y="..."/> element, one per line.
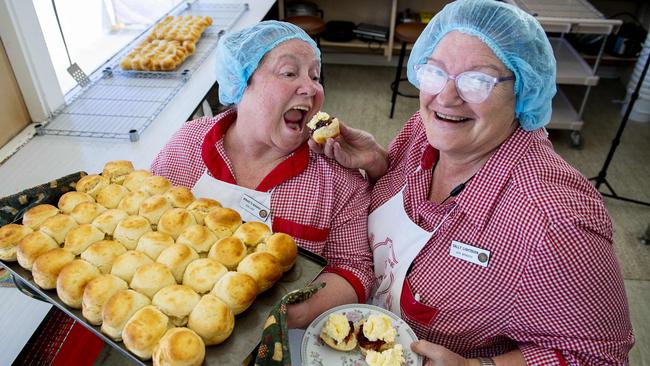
<point x="151" y="277"/>
<point x="252" y="233"/>
<point x="212" y="319"/>
<point x="179" y="196"/>
<point x="117" y="170"/>
<point x="177" y="257"/>
<point x="177" y="301"/>
<point x="126" y="264"/>
<point x="72" y="280"/>
<point x="86" y="212"/>
<point x="323" y="127"/>
<point x="283" y="248"/>
<point x="69" y="200"/>
<point x="35" y="216"/>
<point x="153" y="208"/>
<point x="175" y="221"/>
<point x="79" y="238"/>
<point x="108" y="220"/>
<point x="197" y="237"/>
<point x="263" y="267"/>
<point x="376" y="333"/>
<point x="222" y="221"/>
<point x="143" y="331"/>
<point x="111" y="195"/>
<point x="118" y="310"/>
<point x="158" y="55"/>
<point x="133" y="181"/>
<point x="153" y="243"/>
<point x="202" y="274"/>
<point x="179" y="347"/>
<point x="237" y="290"/>
<point x="10" y="237"/>
<point x="92" y="184"/>
<point x="155" y="185"/>
<point x="338" y="332"/>
<point x="201" y="207"/>
<point x="58" y="227"/>
<point x="47" y="266"/>
<point x="129" y="231"/>
<point x="391" y="357"/>
<point x="32" y="246"/>
<point x="132" y="201"/>
<point x="96" y="293"/>
<point x="102" y="254"/>
<point x="229" y="251"/>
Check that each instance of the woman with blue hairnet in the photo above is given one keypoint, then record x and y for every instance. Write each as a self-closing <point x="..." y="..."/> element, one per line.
<point x="254" y="158"/>
<point x="489" y="245"/>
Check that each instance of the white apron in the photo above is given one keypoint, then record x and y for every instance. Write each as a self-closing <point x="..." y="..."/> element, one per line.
<point x="252" y="205"/>
<point x="395" y="241"/>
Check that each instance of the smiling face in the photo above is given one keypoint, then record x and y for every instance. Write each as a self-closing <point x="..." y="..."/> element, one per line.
<point x="462" y="129"/>
<point x="281" y="97"/>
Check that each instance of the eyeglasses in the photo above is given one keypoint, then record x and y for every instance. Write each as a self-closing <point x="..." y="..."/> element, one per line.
<point x="472" y="86"/>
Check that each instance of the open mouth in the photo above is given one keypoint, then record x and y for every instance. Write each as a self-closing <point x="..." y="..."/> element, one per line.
<point x="451" y="119"/>
<point x="295" y="118"/>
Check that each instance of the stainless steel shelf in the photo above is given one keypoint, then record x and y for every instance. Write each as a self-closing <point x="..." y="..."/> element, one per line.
<point x="571" y="67"/>
<point x="121" y="104"/>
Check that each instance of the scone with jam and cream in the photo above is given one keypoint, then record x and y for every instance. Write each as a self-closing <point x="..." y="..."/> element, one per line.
<point x="376" y="333"/>
<point x="338" y="333"/>
<point x="323" y="127"/>
<point x="390" y="357"/>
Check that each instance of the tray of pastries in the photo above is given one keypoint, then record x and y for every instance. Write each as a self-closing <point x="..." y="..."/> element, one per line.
<point x="168" y="44"/>
<point x="161" y="275"/>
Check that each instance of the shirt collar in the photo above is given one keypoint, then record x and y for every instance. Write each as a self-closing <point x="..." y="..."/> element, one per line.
<point x="293" y="165"/>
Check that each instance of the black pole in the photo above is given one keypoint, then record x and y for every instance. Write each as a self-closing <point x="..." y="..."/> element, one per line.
<point x="601" y="177"/>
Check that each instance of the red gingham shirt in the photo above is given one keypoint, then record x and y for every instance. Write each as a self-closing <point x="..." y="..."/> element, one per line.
<point x="552" y="287"/>
<point x="322" y="205"/>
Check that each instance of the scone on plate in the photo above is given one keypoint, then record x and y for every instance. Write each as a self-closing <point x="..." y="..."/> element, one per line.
<point x="376" y="333"/>
<point x="338" y="333"/>
<point x="391" y="357"/>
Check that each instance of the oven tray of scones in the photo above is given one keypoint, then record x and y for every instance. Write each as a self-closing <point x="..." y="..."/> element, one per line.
<point x="180" y="41"/>
<point x="161" y="275"/>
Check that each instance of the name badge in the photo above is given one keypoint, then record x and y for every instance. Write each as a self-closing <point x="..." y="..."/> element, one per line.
<point x="469" y="253"/>
<point x="255" y="208"/>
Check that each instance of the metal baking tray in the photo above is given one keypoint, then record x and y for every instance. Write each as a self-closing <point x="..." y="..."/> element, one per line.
<point x="248" y="325"/>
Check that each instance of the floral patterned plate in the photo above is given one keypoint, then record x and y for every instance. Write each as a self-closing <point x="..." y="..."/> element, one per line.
<point x="315" y="352"/>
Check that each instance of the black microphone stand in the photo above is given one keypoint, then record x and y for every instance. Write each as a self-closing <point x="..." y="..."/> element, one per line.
<point x="601" y="177"/>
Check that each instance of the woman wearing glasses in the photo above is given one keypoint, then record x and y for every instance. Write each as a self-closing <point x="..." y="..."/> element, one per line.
<point x="485" y="241"/>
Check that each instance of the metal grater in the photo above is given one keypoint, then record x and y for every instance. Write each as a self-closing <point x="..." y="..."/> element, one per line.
<point x="78" y="75"/>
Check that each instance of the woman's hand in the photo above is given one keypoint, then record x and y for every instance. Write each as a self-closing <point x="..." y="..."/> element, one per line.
<point x="337" y="291"/>
<point x="438" y="355"/>
<point x="355" y="149"/>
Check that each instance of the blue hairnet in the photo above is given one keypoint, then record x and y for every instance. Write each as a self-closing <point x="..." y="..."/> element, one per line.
<point x="515" y="37"/>
<point x="239" y="53"/>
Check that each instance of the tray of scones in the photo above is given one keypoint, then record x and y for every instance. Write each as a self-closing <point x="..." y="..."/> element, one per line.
<point x="169" y="43"/>
<point x="164" y="277"/>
